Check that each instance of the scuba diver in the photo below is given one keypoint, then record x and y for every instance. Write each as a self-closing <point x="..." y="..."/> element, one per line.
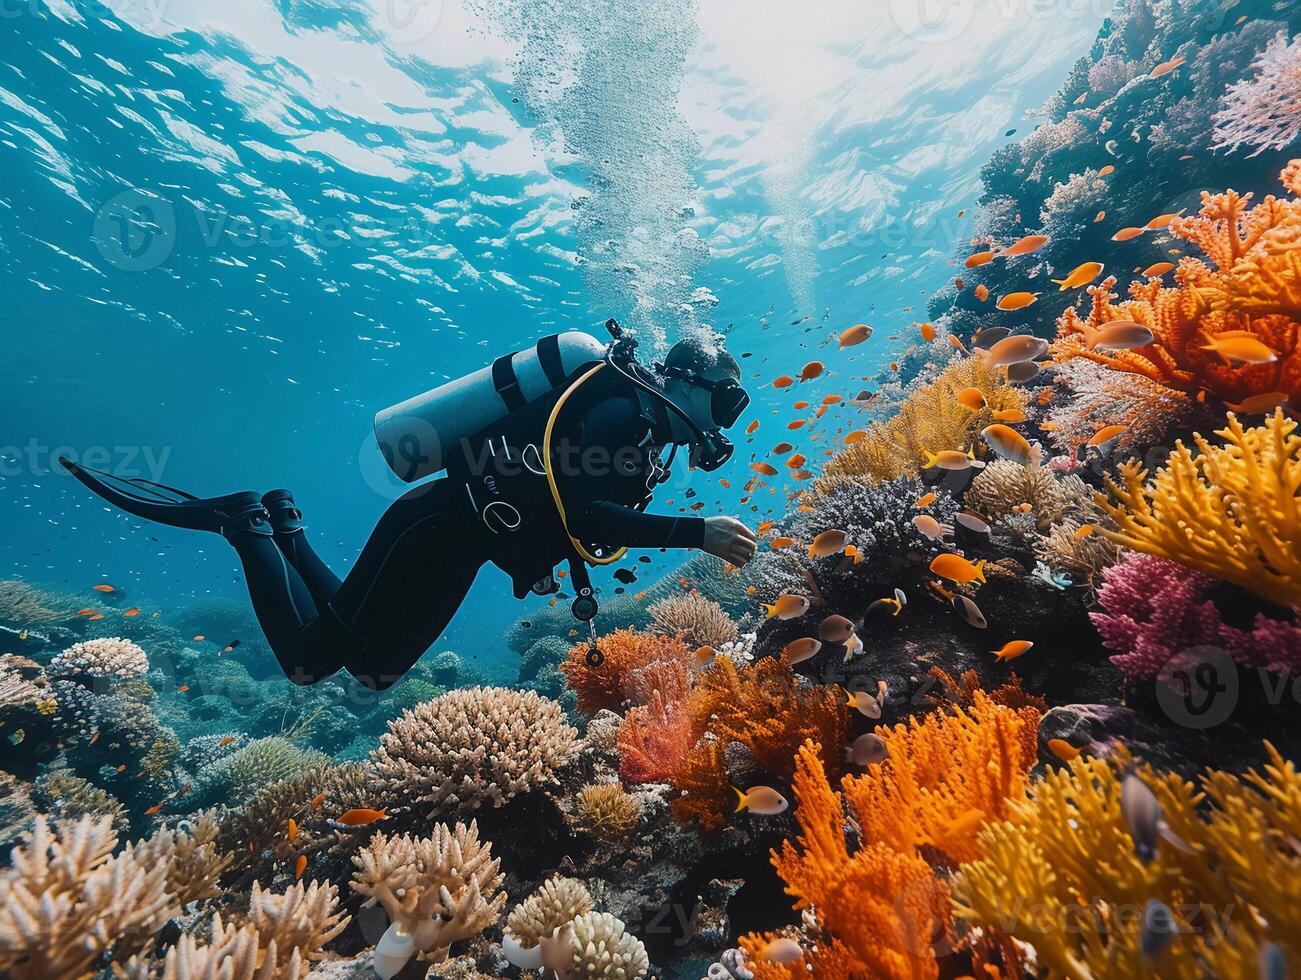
<point x="550" y="454"/>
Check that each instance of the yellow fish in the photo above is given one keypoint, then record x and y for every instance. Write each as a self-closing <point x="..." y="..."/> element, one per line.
<point x="788" y="607"/>
<point x="1009" y="444"/>
<point x="955" y="568"/>
<point x="972" y="398"/>
<point x="1009" y="415"/>
<point x="1081" y="275"/>
<point x="948" y="459"/>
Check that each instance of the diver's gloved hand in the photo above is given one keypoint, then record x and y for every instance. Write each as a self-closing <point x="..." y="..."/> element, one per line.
<point x="729" y="539"/>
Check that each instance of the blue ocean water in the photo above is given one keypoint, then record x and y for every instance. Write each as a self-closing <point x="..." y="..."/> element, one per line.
<point x="232" y="232"/>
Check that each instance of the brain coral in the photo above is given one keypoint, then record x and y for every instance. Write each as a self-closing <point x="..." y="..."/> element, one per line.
<point x="471" y="746"/>
<point x="109" y="656"/>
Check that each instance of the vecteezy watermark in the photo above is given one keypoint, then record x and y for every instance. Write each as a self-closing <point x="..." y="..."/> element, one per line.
<point x="1198" y="688"/>
<point x="135" y="230"/>
<point x="145" y="14"/>
<point x="408" y="21"/>
<point x="34" y="458"/>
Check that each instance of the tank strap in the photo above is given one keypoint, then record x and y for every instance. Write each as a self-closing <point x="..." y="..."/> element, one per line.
<point x="553" y="367"/>
<point x="507" y="384"/>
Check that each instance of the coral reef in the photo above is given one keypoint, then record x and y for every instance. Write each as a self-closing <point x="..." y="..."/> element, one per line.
<point x="436" y="890"/>
<point x="110" y="656"/>
<point x="653" y="741"/>
<point x="605" y="811"/>
<point x="635" y="664"/>
<point x="236" y="777"/>
<point x="1230" y="510"/>
<point x="1153" y="611"/>
<point x="1003" y="486"/>
<point x="602" y="947"/>
<point x="1264" y="112"/>
<point x="694" y="619"/>
<point x="556" y="903"/>
<point x="469" y="747"/>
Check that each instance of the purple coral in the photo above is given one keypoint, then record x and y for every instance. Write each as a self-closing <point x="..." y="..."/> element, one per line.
<point x="1154" y="609"/>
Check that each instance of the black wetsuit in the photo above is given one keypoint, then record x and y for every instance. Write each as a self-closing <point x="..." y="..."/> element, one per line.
<point x="494" y="504"/>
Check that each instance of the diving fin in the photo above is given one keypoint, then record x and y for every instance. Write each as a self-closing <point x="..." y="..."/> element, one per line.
<point x="162" y="504"/>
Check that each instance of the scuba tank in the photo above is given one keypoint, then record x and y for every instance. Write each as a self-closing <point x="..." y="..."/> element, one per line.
<point x="417" y="435"/>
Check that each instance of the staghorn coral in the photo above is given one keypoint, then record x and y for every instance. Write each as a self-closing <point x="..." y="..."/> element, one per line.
<point x="236" y="777"/>
<point x="635" y="665"/>
<point x="603" y="948"/>
<point x="436" y="890"/>
<point x="16" y="691"/>
<point x="1154" y="610"/>
<point x="883" y="907"/>
<point x="1061" y="874"/>
<point x="469" y="747"/>
<point x="1264" y="112"/>
<point x="193" y="855"/>
<point x="606" y="811"/>
<point x="1253" y="291"/>
<point x="1100" y="397"/>
<point x="929" y="420"/>
<point x="67" y="899"/>
<point x="109" y="656"/>
<point x="1230" y="510"/>
<point x="653" y="741"/>
<point x="1003" y="485"/>
<point x="943" y="768"/>
<point x="696" y="620"/>
<point x="768" y="709"/>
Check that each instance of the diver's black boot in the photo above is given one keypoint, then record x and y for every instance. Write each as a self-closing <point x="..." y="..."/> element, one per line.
<point x="283" y="513"/>
<point x="234" y="513"/>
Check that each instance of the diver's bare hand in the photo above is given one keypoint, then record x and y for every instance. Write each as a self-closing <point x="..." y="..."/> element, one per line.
<point x="729" y="539"/>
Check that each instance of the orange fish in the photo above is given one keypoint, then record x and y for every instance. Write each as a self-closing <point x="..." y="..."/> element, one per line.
<point x="1081" y="275"/>
<point x="971" y="398"/>
<point x="855" y="335"/>
<point x="1126" y="234"/>
<point x="104" y="587"/>
<point x="93" y="618"/>
<point x="300" y="865"/>
<point x="797" y="424"/>
<point x="225" y="741"/>
<point x="955" y="568"/>
<point x="120" y="767"/>
<point x="1160" y="222"/>
<point x="858" y="435"/>
<point x="1083" y="531"/>
<point x="1105" y="438"/>
<point x="1258" y="404"/>
<point x="291" y="829"/>
<point x="703" y="656"/>
<point x="183" y="688"/>
<point x="1016" y="301"/>
<point x="317" y="800"/>
<point x="1009" y="415"/>
<point x="782" y="447"/>
<point x="1063" y="749"/>
<point x="785" y="381"/>
<point x="199" y="639"/>
<point x="1166" y="67"/>
<point x="982" y="292"/>
<point x="956" y="343"/>
<point x="1158" y="269"/>
<point x="1012" y="649"/>
<point x="800" y="406"/>
<point x="812" y="370"/>
<point x="767" y="469"/>
<point x="1081" y="98"/>
<point x="1026" y="245"/>
<point x="1106" y="171"/>
<point x="362" y="816"/>
<point x="1238" y="347"/>
<point x="979" y="259"/>
<point x="133" y="611"/>
<point x="94" y="738"/>
<point x="965" y="823"/>
<point x="1100" y="216"/>
<point x="828" y="543"/>
<point x="84" y="612"/>
<point x="796" y="461"/>
<point x="925" y="500"/>
<point x="766" y="526"/>
<point x="1009" y="443"/>
<point x="153" y="809"/>
<point x="927" y="331"/>
<point x="832" y="400"/>
<point x="749" y="429"/>
<point x="782" y="542"/>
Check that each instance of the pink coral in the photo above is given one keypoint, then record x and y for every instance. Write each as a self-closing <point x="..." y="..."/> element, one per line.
<point x="1265" y="111"/>
<point x="1154" y="609"/>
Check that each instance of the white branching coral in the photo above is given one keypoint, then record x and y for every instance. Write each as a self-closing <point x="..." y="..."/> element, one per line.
<point x="536" y="936"/>
<point x="472" y="746"/>
<point x="436" y="890"/>
<point x="16" y="690"/>
<point x="1265" y="111"/>
<point x="699" y="621"/>
<point x="66" y="899"/>
<point x="604" y="948"/>
<point x="108" y="656"/>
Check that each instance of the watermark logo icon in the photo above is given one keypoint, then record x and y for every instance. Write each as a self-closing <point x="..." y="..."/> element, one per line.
<point x="932" y="21"/>
<point x="1198" y="688"/>
<point x="135" y="230"/>
<point x="409" y="21"/>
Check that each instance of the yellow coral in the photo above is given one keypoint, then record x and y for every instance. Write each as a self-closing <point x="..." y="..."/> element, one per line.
<point x="606" y="811"/>
<point x="1229" y="510"/>
<point x="1062" y="874"/>
<point x="929" y="420"/>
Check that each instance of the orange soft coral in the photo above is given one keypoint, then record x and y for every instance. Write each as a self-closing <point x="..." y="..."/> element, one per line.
<point x="946" y="775"/>
<point x="635" y="665"/>
<point x="768" y="709"/>
<point x="884" y="908"/>
<point x="653" y="741"/>
<point x="1252" y="288"/>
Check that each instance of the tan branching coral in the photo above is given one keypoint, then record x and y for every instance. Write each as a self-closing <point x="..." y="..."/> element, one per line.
<point x="606" y="811"/>
<point x="538" y="933"/>
<point x="436" y="891"/>
<point x="193" y="855"/>
<point x="1231" y="510"/>
<point x="109" y="656"/>
<point x="1082" y="556"/>
<point x="16" y="690"/>
<point x="472" y="746"/>
<point x="603" y="948"/>
<point x="1062" y="875"/>
<point x="930" y="420"/>
<point x="697" y="620"/>
<point x="67" y="899"/>
<point x="63" y="796"/>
